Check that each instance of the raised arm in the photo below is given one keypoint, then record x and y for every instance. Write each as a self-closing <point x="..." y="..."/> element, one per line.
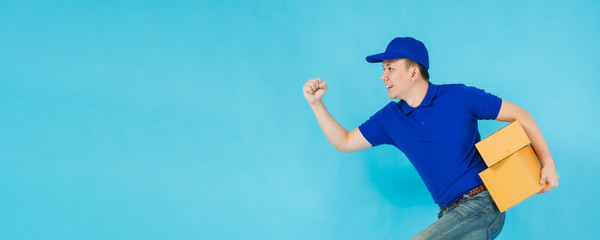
<point x="338" y="136"/>
<point x="510" y="112"/>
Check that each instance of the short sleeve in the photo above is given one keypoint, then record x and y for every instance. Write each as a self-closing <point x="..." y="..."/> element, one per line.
<point x="374" y="129"/>
<point x="481" y="104"/>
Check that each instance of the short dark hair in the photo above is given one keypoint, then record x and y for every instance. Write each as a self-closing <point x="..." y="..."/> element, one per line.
<point x="422" y="69"/>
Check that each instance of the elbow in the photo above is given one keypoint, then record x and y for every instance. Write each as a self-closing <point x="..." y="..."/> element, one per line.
<point x="342" y="149"/>
<point x="346" y="144"/>
<point x="523" y="116"/>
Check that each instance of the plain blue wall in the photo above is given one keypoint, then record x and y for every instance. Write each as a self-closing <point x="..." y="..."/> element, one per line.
<point x="186" y="120"/>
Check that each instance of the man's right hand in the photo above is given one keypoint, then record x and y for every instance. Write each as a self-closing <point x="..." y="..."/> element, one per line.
<point x="314" y="89"/>
<point x="338" y="136"/>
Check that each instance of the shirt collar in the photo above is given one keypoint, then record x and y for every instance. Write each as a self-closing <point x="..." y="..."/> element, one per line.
<point x="427" y="101"/>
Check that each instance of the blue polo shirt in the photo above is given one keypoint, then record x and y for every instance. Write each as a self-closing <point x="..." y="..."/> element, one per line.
<point x="438" y="136"/>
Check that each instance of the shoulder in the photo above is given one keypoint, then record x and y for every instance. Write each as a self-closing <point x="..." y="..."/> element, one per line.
<point x="455" y="87"/>
<point x="465" y="95"/>
<point x="391" y="106"/>
<point x="460" y="89"/>
<point x="386" y="111"/>
<point x="451" y="89"/>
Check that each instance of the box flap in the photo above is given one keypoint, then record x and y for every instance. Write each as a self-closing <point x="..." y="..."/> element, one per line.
<point x="502" y="143"/>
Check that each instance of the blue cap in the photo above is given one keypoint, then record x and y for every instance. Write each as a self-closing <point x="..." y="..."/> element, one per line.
<point x="403" y="47"/>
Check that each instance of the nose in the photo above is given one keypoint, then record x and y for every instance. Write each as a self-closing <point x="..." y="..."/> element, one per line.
<point x="384" y="76"/>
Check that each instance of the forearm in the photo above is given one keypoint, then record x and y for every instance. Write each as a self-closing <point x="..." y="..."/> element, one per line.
<point x="509" y="112"/>
<point x="537" y="140"/>
<point x="335" y="133"/>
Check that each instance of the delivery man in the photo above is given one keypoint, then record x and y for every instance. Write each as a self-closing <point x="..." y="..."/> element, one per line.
<point x="435" y="126"/>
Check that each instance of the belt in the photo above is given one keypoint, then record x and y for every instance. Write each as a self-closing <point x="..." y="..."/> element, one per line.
<point x="472" y="192"/>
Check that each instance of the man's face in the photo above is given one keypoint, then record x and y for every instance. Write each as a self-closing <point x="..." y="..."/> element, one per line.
<point x="396" y="77"/>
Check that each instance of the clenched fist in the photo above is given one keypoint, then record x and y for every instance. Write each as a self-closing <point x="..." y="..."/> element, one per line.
<point x="314" y="90"/>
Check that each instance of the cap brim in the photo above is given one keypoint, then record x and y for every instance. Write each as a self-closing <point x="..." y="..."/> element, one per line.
<point x="383" y="56"/>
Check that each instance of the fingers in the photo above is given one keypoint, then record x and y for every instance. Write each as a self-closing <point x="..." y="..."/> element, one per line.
<point x="550" y="182"/>
<point x="323" y="85"/>
<point x="313" y="85"/>
<point x="310" y="87"/>
<point x="546" y="189"/>
<point x="543" y="178"/>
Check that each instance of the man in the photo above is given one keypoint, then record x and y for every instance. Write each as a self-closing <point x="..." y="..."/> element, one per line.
<point x="435" y="126"/>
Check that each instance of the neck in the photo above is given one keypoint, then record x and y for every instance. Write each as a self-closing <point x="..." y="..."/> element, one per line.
<point x="418" y="93"/>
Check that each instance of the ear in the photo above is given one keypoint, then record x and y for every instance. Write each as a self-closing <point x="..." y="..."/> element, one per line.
<point x="414" y="72"/>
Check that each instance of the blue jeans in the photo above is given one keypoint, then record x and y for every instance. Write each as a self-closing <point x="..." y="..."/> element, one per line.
<point x="476" y="217"/>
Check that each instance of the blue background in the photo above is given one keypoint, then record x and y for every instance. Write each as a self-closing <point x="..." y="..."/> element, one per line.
<point x="186" y="119"/>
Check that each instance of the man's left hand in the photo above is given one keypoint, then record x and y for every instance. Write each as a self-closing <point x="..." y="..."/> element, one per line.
<point x="550" y="178"/>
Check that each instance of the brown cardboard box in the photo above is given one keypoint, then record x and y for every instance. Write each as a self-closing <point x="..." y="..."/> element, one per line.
<point x="514" y="172"/>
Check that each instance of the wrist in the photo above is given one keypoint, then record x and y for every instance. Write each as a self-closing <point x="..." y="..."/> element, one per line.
<point x="548" y="164"/>
<point x="316" y="104"/>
